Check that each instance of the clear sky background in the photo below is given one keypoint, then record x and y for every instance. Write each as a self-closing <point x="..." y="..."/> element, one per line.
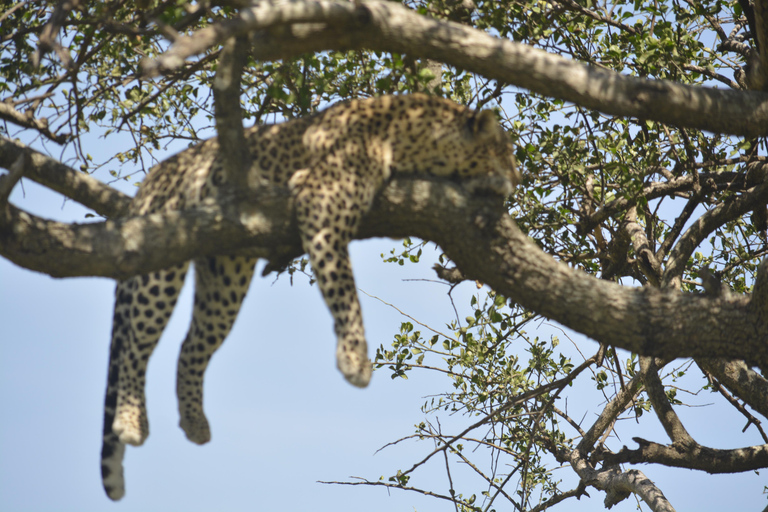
<point x="282" y="416"/>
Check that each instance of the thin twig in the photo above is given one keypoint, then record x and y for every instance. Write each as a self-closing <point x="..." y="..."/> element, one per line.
<point x="510" y="404"/>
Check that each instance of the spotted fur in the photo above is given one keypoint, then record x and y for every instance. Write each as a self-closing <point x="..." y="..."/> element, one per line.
<point x="334" y="162"/>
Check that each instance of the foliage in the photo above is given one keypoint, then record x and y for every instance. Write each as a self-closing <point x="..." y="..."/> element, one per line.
<point x="588" y="178"/>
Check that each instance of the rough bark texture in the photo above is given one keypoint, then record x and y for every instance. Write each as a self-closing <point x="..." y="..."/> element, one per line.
<point x="284" y="29"/>
<point x="474" y="231"/>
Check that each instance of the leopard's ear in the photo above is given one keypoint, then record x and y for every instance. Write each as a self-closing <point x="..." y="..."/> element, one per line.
<point x="483" y="126"/>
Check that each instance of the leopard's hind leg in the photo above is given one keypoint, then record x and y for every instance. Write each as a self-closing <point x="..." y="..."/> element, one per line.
<point x="143" y="305"/>
<point x="221" y="283"/>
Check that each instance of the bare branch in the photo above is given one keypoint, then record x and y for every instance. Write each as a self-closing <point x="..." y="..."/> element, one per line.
<point x="751" y="420"/>
<point x="28" y="120"/>
<point x="513" y="401"/>
<point x="609" y="414"/>
<point x="557" y="498"/>
<point x="667" y="416"/>
<point x="47" y="41"/>
<point x="79" y="186"/>
<point x="749" y="385"/>
<point x="387" y="26"/>
<point x="619" y="484"/>
<point x="394" y="486"/>
<point x="695" y="456"/>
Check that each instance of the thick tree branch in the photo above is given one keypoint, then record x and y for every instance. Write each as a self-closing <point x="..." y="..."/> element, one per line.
<point x="8" y="182"/>
<point x="760" y="63"/>
<point x="619" y="484"/>
<point x="233" y="149"/>
<point x="474" y="232"/>
<point x="263" y="15"/>
<point x="126" y="247"/>
<point x="387" y="26"/>
<point x="747" y="384"/>
<point x="79" y="186"/>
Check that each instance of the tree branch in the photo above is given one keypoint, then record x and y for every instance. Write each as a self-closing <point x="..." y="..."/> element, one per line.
<point x="233" y="148"/>
<point x="264" y="15"/>
<point x="647" y="262"/>
<point x="474" y="231"/>
<point x="619" y="484"/>
<point x="657" y="189"/>
<point x="79" y="186"/>
<point x="126" y="247"/>
<point x="12" y="178"/>
<point x="667" y="416"/>
<point x="28" y="120"/>
<point x="760" y="62"/>
<point x="609" y="414"/>
<point x="706" y="224"/>
<point x="747" y="384"/>
<point x="695" y="456"/>
<point x="751" y="420"/>
<point x="47" y="41"/>
<point x="386" y="26"/>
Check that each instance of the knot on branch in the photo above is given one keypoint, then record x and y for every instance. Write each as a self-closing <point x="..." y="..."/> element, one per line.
<point x="452" y="275"/>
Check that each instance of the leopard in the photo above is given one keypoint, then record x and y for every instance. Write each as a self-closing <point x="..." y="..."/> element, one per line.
<point x="333" y="163"/>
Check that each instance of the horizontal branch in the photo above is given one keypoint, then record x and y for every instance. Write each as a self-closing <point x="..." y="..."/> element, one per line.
<point x="694" y="456"/>
<point x="123" y="248"/>
<point x="708" y="181"/>
<point x="387" y="26"/>
<point x="474" y="231"/>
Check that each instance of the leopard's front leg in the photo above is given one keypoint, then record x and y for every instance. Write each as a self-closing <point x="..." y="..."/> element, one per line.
<point x="328" y="213"/>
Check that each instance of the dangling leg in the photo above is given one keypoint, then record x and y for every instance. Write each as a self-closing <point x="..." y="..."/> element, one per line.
<point x="143" y="305"/>
<point x="329" y="257"/>
<point x="221" y="283"/>
<point x="327" y="220"/>
<point x="151" y="299"/>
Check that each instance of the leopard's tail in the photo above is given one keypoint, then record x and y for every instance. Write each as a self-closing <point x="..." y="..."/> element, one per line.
<point x="112" y="450"/>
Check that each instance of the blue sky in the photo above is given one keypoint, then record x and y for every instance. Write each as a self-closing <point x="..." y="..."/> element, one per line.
<point x="282" y="416"/>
